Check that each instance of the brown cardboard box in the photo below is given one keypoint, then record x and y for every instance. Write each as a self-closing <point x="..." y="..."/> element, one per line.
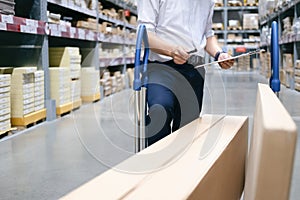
<point x="203" y="160"/>
<point x="298" y="64"/>
<point x="250" y="21"/>
<point x="288" y="61"/>
<point x="271" y="155"/>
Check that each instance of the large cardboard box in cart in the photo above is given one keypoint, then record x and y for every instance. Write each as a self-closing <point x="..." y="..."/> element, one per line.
<point x="196" y="162"/>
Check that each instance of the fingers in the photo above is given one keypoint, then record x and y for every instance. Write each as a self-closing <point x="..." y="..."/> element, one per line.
<point x="180" y="55"/>
<point x="226" y="64"/>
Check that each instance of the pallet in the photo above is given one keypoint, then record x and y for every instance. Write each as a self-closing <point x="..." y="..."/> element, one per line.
<point x="251" y="4"/>
<point x="248" y="28"/>
<point x="234" y="28"/>
<point x="64" y="109"/>
<point x="219" y="4"/>
<point x="7" y="132"/>
<point x="30" y="119"/>
<point x="76" y="104"/>
<point x="217" y="28"/>
<point x="91" y="99"/>
<point x="235" y="4"/>
<point x="297" y="87"/>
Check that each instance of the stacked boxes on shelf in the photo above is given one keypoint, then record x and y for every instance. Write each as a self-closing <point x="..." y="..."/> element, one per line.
<point x="265" y="62"/>
<point x="120" y="82"/>
<point x="5" y="110"/>
<point x="90" y="87"/>
<point x="297" y="75"/>
<point x="287" y="68"/>
<point x="130" y="75"/>
<point x="39" y="91"/>
<point x="87" y="4"/>
<point x="60" y="89"/>
<point x="243" y="63"/>
<point x="69" y="58"/>
<point x="7" y="7"/>
<point x="106" y="83"/>
<point x="22" y="91"/>
<point x="287" y="27"/>
<point x="250" y="21"/>
<point x="112" y="84"/>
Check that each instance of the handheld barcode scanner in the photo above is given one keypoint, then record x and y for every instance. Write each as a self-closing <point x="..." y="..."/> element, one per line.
<point x="139" y="86"/>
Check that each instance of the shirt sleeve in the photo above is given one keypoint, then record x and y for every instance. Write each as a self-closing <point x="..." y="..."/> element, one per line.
<point x="147" y="13"/>
<point x="208" y="31"/>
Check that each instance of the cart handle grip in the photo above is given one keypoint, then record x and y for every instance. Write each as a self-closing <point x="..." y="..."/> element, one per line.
<point x="141" y="37"/>
<point x="274" y="79"/>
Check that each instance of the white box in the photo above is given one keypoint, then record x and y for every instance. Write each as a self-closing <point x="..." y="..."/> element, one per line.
<point x="5" y="111"/>
<point x="39" y="107"/>
<point x="5" y="117"/>
<point x="4" y="89"/>
<point x="5" y="100"/>
<point x="4" y="83"/>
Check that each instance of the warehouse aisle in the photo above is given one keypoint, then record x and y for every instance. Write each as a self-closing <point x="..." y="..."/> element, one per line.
<point x="48" y="161"/>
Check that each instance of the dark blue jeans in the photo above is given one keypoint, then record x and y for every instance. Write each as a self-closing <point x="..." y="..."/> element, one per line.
<point x="174" y="97"/>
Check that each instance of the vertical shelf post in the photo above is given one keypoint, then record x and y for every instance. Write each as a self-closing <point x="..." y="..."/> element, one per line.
<point x="44" y="64"/>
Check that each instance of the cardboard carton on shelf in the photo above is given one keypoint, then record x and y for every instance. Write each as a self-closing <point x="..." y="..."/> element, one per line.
<point x="5" y="99"/>
<point x="5" y="80"/>
<point x="5" y="125"/>
<point x="5" y="117"/>
<point x="298" y="64"/>
<point x="89" y="83"/>
<point x="288" y="61"/>
<point x="5" y="111"/>
<point x="250" y="21"/>
<point x="64" y="56"/>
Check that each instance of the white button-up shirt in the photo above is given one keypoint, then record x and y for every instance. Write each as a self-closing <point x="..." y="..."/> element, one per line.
<point x="186" y="23"/>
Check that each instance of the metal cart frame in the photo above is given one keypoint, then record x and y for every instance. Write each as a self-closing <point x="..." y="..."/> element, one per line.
<point x="139" y="87"/>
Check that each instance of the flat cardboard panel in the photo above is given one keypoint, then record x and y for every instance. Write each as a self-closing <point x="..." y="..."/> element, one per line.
<point x="177" y="167"/>
<point x="271" y="155"/>
<point x="216" y="174"/>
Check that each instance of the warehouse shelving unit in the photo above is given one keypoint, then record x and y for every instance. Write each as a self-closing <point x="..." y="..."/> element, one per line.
<point x="289" y="42"/>
<point x="224" y="14"/>
<point x="26" y="38"/>
<point x="235" y="39"/>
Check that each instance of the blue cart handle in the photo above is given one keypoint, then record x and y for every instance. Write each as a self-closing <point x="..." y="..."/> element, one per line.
<point x="141" y="37"/>
<point x="274" y="79"/>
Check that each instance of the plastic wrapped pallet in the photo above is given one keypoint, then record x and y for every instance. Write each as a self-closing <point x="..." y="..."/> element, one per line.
<point x="90" y="83"/>
<point x="60" y="85"/>
<point x="130" y="73"/>
<point x="75" y="90"/>
<point x="39" y="91"/>
<point x="22" y="91"/>
<point x="5" y="110"/>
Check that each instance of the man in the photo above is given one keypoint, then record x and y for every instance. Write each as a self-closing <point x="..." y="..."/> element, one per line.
<point x="179" y="33"/>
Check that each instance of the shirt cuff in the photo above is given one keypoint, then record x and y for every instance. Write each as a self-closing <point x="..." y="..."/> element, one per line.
<point x="149" y="26"/>
<point x="210" y="33"/>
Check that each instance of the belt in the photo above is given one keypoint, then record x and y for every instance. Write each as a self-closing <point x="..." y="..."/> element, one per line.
<point x="195" y="60"/>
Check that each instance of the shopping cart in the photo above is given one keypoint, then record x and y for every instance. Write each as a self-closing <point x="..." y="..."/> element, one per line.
<point x="139" y="87"/>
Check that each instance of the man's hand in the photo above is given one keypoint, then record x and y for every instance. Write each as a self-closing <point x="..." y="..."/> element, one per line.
<point x="226" y="64"/>
<point x="179" y="55"/>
